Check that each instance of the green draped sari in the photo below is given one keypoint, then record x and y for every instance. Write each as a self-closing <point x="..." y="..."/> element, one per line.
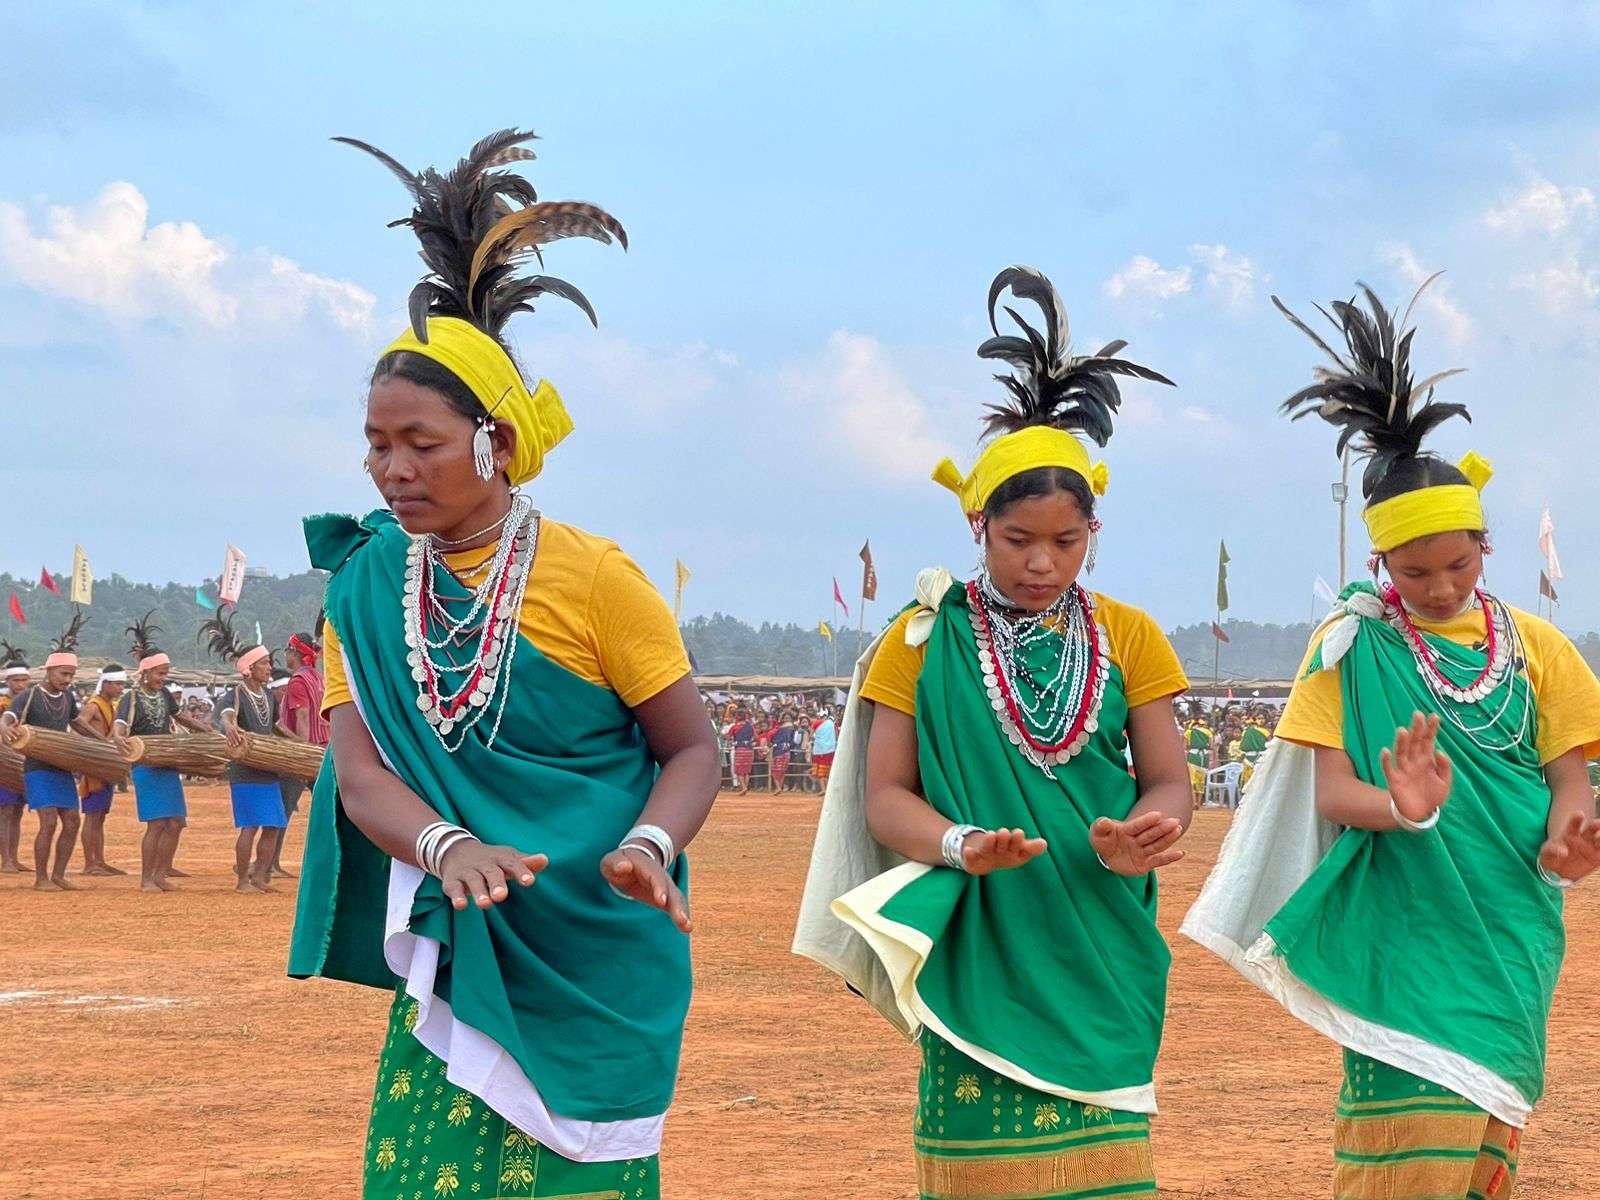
<point x="1053" y="974"/>
<point x="1448" y="936"/>
<point x="582" y="994"/>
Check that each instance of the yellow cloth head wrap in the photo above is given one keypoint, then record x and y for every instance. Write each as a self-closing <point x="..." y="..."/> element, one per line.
<point x="1426" y="511"/>
<point x="475" y="358"/>
<point x="1011" y="455"/>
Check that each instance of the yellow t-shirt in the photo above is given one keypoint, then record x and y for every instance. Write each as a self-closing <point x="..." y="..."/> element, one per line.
<point x="1567" y="693"/>
<point x="588" y="608"/>
<point x="1150" y="668"/>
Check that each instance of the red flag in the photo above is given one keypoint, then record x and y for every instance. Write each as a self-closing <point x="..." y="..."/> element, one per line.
<point x="869" y="574"/>
<point x="838" y="597"/>
<point x="47" y="581"/>
<point x="16" y="610"/>
<point x="1218" y="633"/>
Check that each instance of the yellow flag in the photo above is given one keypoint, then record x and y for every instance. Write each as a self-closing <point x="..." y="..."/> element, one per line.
<point x="677" y="598"/>
<point x="82" y="577"/>
<point x="822" y="628"/>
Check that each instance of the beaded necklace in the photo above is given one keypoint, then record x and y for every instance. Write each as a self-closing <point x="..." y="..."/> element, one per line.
<point x="1048" y="714"/>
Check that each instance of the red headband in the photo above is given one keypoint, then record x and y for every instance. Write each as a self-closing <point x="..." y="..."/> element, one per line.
<point x="307" y="653"/>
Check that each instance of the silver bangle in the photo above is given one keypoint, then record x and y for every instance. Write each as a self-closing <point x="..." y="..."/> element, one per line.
<point x="1558" y="882"/>
<point x="1407" y="823"/>
<point x="434" y="840"/>
<point x="659" y="838"/>
<point x="951" y="845"/>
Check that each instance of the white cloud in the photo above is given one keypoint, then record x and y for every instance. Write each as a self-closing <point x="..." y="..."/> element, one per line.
<point x="861" y="403"/>
<point x="1542" y="207"/>
<point x="106" y="254"/>
<point x="1228" y="272"/>
<point x="1201" y="416"/>
<point x="1142" y="278"/>
<point x="1457" y="324"/>
<point x="1565" y="286"/>
<point x="615" y="373"/>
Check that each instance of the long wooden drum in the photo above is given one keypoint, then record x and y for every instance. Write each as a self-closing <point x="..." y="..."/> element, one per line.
<point x="73" y="752"/>
<point x="10" y="769"/>
<point x="280" y="756"/>
<point x="190" y="754"/>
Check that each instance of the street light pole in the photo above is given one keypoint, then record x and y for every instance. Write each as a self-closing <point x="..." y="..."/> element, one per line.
<point x="1341" y="495"/>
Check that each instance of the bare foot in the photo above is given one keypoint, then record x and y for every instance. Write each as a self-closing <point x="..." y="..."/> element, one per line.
<point x="165" y="886"/>
<point x="174" y="873"/>
<point x="108" y="869"/>
<point x="14" y="868"/>
<point x="280" y="873"/>
<point x="62" y="882"/>
<point x="101" y="869"/>
<point x="42" y="884"/>
<point x="244" y="885"/>
<point x="150" y="885"/>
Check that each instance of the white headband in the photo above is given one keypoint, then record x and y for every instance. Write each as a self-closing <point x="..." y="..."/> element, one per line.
<point x="113" y="677"/>
<point x="12" y="672"/>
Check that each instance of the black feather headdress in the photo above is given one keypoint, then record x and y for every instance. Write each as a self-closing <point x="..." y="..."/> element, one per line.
<point x="1369" y="392"/>
<point x="12" y="658"/>
<point x="220" y="639"/>
<point x="1048" y="384"/>
<point x="477" y="224"/>
<point x="67" y="642"/>
<point x="142" y="634"/>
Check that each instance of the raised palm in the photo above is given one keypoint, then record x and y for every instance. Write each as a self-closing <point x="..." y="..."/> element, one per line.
<point x="1418" y="772"/>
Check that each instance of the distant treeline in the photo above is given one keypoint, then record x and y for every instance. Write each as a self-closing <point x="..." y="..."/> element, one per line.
<point x="720" y="644"/>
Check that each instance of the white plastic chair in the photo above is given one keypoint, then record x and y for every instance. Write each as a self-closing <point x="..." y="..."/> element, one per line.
<point x="1222" y="785"/>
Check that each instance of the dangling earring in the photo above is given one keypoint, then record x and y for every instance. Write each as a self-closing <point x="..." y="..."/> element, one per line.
<point x="483" y="450"/>
<point x="1372" y="566"/>
<point x="366" y="464"/>
<point x="978" y="522"/>
<point x="1094" y="544"/>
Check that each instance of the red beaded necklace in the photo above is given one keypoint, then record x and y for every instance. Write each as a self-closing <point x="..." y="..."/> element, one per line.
<point x="1070" y="743"/>
<point x="1420" y="647"/>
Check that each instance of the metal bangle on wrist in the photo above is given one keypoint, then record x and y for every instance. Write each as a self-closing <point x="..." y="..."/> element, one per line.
<point x="950" y="846"/>
<point x="434" y="840"/>
<point x="654" y="837"/>
<point x="1406" y="823"/>
<point x="1559" y="882"/>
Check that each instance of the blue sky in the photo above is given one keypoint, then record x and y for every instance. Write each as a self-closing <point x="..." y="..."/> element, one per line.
<point x="194" y="279"/>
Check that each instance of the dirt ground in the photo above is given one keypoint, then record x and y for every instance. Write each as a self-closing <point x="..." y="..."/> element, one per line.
<point x="150" y="1046"/>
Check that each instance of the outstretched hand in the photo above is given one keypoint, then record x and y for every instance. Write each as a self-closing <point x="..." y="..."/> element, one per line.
<point x="1137" y="846"/>
<point x="999" y="850"/>
<point x="482" y="873"/>
<point x="639" y="875"/>
<point x="1574" y="852"/>
<point x="1418" y="772"/>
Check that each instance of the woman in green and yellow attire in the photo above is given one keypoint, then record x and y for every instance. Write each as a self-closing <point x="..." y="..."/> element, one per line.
<point x="986" y="753"/>
<point x="510" y="702"/>
<point x="1197" y="749"/>
<point x="1395" y="877"/>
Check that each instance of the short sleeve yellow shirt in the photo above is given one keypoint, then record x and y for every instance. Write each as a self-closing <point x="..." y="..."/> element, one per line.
<point x="1566" y="691"/>
<point x="1150" y="667"/>
<point x="588" y="608"/>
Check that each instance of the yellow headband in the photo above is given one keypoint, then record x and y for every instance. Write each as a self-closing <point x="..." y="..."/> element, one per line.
<point x="1426" y="511"/>
<point x="1008" y="456"/>
<point x="475" y="358"/>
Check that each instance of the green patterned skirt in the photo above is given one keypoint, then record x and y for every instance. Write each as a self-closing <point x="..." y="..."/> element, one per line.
<point x="982" y="1135"/>
<point x="1399" y="1137"/>
<point x="429" y="1140"/>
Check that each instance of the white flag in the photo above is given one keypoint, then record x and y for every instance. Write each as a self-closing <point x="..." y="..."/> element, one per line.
<point x="232" y="581"/>
<point x="1547" y="546"/>
<point x="1324" y="592"/>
